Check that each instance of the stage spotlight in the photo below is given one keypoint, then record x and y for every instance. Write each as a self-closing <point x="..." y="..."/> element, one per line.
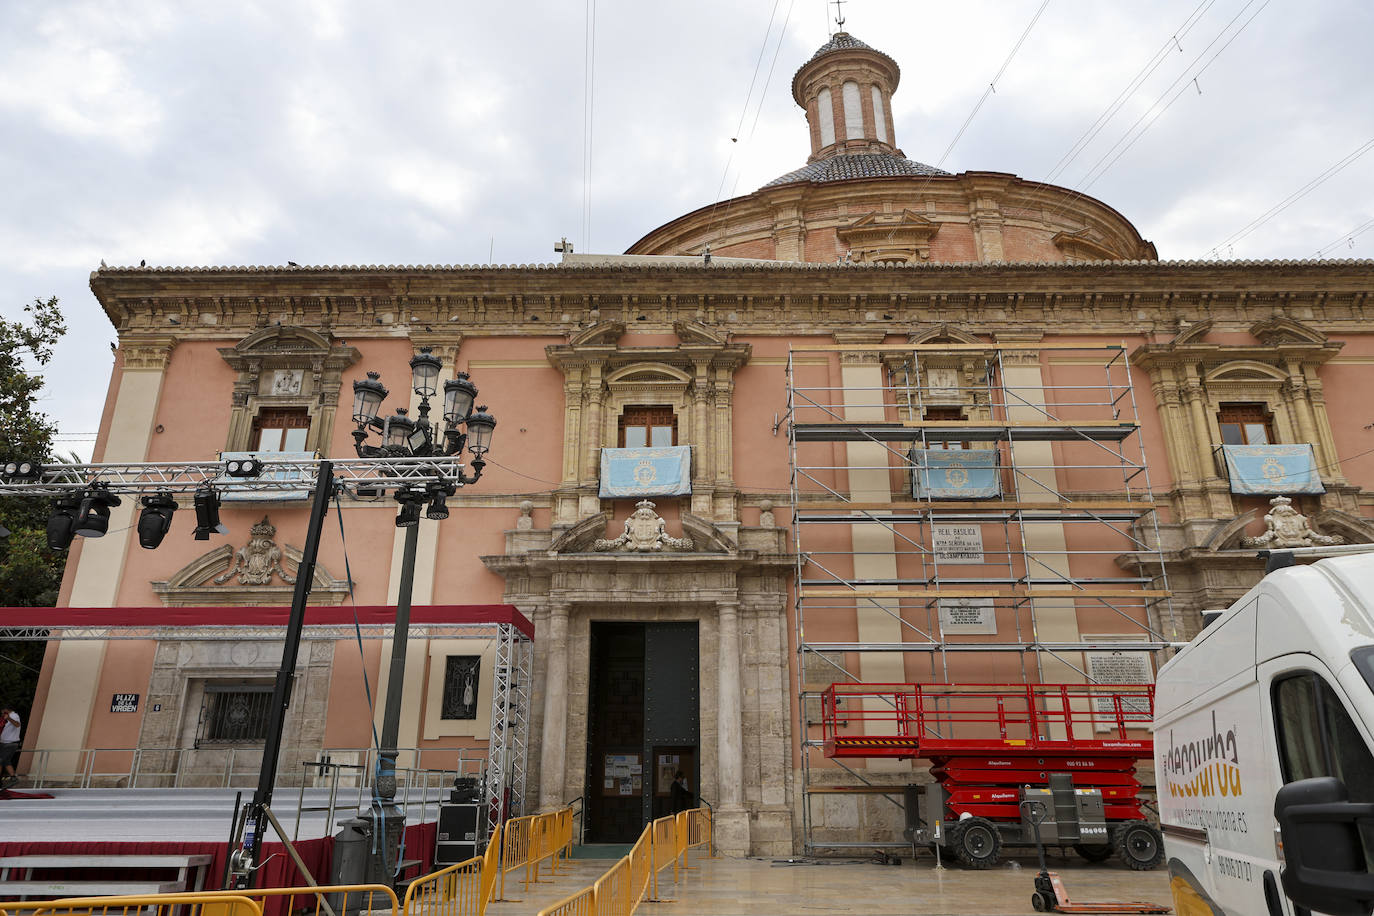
<point x="438" y="506"/>
<point x="62" y="523"/>
<point x="155" y="519"/>
<point x="410" y="509"/>
<point x="207" y="514"/>
<point x="244" y="467"/>
<point x="23" y="470"/>
<point x="93" y="517"/>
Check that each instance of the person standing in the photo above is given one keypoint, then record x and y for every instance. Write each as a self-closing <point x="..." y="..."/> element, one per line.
<point x="680" y="795"/>
<point x="9" y="744"/>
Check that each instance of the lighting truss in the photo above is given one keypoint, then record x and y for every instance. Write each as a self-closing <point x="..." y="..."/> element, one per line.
<point x="350" y="474"/>
<point x="508" y="752"/>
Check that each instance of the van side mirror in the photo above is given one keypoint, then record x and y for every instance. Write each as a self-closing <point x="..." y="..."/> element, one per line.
<point x="1326" y="868"/>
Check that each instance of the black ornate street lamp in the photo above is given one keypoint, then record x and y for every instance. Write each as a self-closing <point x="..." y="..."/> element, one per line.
<point x="403" y="437"/>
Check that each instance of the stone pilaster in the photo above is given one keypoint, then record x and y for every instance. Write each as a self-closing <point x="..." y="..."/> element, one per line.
<point x="553" y="745"/>
<point x="732" y="820"/>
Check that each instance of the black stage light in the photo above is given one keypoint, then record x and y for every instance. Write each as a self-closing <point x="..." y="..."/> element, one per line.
<point x="23" y="470"/>
<point x="62" y="523"/>
<point x="244" y="467"/>
<point x="409" y="515"/>
<point x="93" y="517"/>
<point x="207" y="514"/>
<point x="438" y="506"/>
<point x="155" y="519"/>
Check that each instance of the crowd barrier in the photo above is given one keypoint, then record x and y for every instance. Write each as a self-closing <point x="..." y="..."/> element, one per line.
<point x="325" y="900"/>
<point x="210" y="903"/>
<point x="634" y="878"/>
<point x="462" y="889"/>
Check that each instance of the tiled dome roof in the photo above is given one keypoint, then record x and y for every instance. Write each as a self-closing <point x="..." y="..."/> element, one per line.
<point x="842" y="41"/>
<point x="837" y="42"/>
<point x="856" y="165"/>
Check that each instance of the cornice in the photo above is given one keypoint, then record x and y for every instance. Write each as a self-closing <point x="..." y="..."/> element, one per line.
<point x="554" y="302"/>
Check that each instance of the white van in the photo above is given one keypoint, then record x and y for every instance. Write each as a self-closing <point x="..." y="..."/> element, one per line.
<point x="1278" y="689"/>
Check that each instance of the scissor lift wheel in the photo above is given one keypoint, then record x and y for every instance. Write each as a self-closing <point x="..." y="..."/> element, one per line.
<point x="976" y="842"/>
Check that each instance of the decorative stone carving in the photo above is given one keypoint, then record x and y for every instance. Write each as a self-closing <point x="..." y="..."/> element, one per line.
<point x="526" y="520"/>
<point x="644" y="531"/>
<point x="258" y="559"/>
<point x="1287" y="527"/>
<point x="766" y="517"/>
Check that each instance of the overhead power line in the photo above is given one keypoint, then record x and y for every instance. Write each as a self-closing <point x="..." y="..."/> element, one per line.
<point x="1347" y="238"/>
<point x="992" y="86"/>
<point x="1156" y="110"/>
<point x="588" y="117"/>
<point x="1299" y="194"/>
<point x="1145" y="72"/>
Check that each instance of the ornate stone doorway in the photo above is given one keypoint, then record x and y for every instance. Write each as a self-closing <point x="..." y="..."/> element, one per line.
<point x="643" y="702"/>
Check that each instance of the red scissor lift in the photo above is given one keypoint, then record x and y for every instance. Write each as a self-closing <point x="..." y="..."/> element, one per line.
<point x="1071" y="748"/>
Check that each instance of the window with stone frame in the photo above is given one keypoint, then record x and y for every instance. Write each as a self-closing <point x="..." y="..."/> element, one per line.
<point x="648" y="426"/>
<point x="944" y="413"/>
<point x="234" y="714"/>
<point x="280" y="429"/>
<point x="462" y="679"/>
<point x="1245" y="424"/>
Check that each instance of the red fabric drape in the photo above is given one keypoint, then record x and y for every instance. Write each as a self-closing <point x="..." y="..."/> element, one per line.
<point x="279" y="870"/>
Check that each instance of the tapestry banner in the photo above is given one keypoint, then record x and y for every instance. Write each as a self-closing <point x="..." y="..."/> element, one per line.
<point x="663" y="471"/>
<point x="1264" y="469"/>
<point x="956" y="473"/>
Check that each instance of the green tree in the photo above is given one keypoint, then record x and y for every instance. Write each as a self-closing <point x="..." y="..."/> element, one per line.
<point x="29" y="573"/>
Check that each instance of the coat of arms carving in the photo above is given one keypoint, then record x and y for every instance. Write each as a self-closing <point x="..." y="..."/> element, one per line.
<point x="256" y="561"/>
<point x="1287" y="527"/>
<point x="645" y="530"/>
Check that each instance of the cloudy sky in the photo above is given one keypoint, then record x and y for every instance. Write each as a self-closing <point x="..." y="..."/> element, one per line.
<point x="343" y="132"/>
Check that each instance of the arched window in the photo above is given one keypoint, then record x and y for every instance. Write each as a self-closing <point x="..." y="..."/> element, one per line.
<point x="879" y="121"/>
<point x="853" y="112"/>
<point x="826" y="115"/>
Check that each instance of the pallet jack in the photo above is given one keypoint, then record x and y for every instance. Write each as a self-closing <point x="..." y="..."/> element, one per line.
<point x="1050" y="895"/>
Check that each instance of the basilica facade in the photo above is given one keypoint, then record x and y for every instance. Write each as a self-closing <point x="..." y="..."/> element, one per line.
<point x="642" y="507"/>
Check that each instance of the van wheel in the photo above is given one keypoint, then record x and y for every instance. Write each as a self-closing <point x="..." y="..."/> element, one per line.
<point x="976" y="842"/>
<point x="1140" y="845"/>
<point x="1095" y="853"/>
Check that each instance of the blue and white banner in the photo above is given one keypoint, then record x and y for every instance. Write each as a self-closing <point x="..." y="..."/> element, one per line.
<point x="956" y="473"/>
<point x="646" y="471"/>
<point x="1264" y="469"/>
<point x="274" y="493"/>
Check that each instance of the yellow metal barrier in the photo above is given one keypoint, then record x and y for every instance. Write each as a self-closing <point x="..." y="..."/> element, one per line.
<point x="324" y="900"/>
<point x="634" y="878"/>
<point x="212" y="903"/>
<point x="532" y="840"/>
<point x="463" y="889"/>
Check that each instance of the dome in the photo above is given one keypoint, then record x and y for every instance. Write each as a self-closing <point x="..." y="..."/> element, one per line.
<point x="861" y="165"/>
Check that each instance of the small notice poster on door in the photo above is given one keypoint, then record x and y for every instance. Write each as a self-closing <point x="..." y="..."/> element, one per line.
<point x="622" y="774"/>
<point x="667" y="769"/>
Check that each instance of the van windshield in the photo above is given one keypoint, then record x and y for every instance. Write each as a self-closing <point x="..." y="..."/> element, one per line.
<point x="1363" y="658"/>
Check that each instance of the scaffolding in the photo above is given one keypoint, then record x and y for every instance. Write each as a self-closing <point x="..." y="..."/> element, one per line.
<point x="966" y="513"/>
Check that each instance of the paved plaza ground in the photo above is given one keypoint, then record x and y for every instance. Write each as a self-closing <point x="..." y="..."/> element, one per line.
<point x="775" y="887"/>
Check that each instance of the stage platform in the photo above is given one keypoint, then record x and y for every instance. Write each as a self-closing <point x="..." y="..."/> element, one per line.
<point x="192" y="821"/>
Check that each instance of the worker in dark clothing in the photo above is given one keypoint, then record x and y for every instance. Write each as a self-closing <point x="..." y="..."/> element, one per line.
<point x="680" y="795"/>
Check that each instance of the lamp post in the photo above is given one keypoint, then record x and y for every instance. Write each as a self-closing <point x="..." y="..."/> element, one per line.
<point x="403" y="437"/>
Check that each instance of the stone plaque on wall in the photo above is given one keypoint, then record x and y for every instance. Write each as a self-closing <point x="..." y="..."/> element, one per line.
<point x="967" y="615"/>
<point x="1121" y="668"/>
<point x="957" y="543"/>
